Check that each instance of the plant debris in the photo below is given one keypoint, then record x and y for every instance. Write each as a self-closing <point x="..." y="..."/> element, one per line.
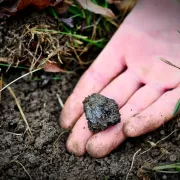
<point x="87" y="4"/>
<point x="42" y="38"/>
<point x="63" y="33"/>
<point x="11" y="7"/>
<point x="101" y="112"/>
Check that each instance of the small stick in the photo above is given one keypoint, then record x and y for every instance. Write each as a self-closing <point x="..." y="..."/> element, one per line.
<point x="16" y="134"/>
<point x="60" y="100"/>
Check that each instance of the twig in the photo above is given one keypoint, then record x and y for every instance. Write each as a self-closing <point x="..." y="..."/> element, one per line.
<point x="132" y="162"/>
<point x="60" y="101"/>
<point x="16" y="134"/>
<point x="19" y="78"/>
<point x="23" y="168"/>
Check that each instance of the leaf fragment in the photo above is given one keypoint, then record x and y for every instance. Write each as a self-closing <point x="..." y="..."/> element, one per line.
<point x="51" y="66"/>
<point x="87" y="4"/>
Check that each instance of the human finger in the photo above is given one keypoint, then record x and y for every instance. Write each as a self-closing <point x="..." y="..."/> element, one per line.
<point x="141" y="99"/>
<point x="154" y="116"/>
<point x="120" y="89"/>
<point x="104" y="142"/>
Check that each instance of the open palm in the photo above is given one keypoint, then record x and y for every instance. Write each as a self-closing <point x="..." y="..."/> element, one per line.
<point x="130" y="71"/>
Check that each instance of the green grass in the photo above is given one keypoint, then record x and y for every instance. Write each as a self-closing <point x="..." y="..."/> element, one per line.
<point x="106" y="178"/>
<point x="98" y="43"/>
<point x="177" y="108"/>
<point x="51" y="11"/>
<point x="18" y="67"/>
<point x="92" y="22"/>
<point x="167" y="168"/>
<point x="88" y="36"/>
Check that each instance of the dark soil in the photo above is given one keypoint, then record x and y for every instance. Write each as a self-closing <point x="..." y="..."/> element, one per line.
<point x="44" y="156"/>
<point x="101" y="112"/>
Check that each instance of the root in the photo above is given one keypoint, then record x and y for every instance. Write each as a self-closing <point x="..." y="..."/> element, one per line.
<point x="15" y="161"/>
<point x="135" y="154"/>
<point x="155" y="144"/>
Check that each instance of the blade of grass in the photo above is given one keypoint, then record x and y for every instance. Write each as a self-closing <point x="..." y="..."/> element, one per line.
<point x="19" y="67"/>
<point x="167" y="166"/>
<point x="74" y="16"/>
<point x="66" y="29"/>
<point x="177" y="108"/>
<point x="52" y="12"/>
<point x="89" y="18"/>
<point x="98" y="43"/>
<point x="103" y="4"/>
<point x="76" y="11"/>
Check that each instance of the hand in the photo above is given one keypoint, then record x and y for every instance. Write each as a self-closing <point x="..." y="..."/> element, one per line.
<point x="130" y="71"/>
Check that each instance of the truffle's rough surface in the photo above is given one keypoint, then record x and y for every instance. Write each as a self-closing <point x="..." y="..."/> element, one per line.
<point x="101" y="112"/>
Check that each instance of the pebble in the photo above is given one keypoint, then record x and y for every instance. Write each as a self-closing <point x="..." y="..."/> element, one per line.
<point x="164" y="177"/>
<point x="10" y="172"/>
<point x="172" y="157"/>
<point x="162" y="132"/>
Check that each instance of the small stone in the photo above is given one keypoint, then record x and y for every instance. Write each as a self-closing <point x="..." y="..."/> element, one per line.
<point x="162" y="132"/>
<point x="101" y="112"/>
<point x="10" y="172"/>
<point x="164" y="177"/>
<point x="172" y="157"/>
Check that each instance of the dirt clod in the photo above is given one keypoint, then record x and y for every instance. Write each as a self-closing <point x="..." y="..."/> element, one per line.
<point x="101" y="112"/>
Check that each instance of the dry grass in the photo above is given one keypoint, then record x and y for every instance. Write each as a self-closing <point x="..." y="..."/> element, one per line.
<point x="38" y="39"/>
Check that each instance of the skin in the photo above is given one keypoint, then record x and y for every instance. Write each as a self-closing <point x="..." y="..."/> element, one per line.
<point x="130" y="71"/>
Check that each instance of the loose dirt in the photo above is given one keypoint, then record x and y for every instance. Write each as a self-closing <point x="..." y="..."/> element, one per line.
<point x="44" y="155"/>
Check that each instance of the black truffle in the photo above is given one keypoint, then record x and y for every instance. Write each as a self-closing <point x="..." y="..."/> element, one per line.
<point x="101" y="112"/>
